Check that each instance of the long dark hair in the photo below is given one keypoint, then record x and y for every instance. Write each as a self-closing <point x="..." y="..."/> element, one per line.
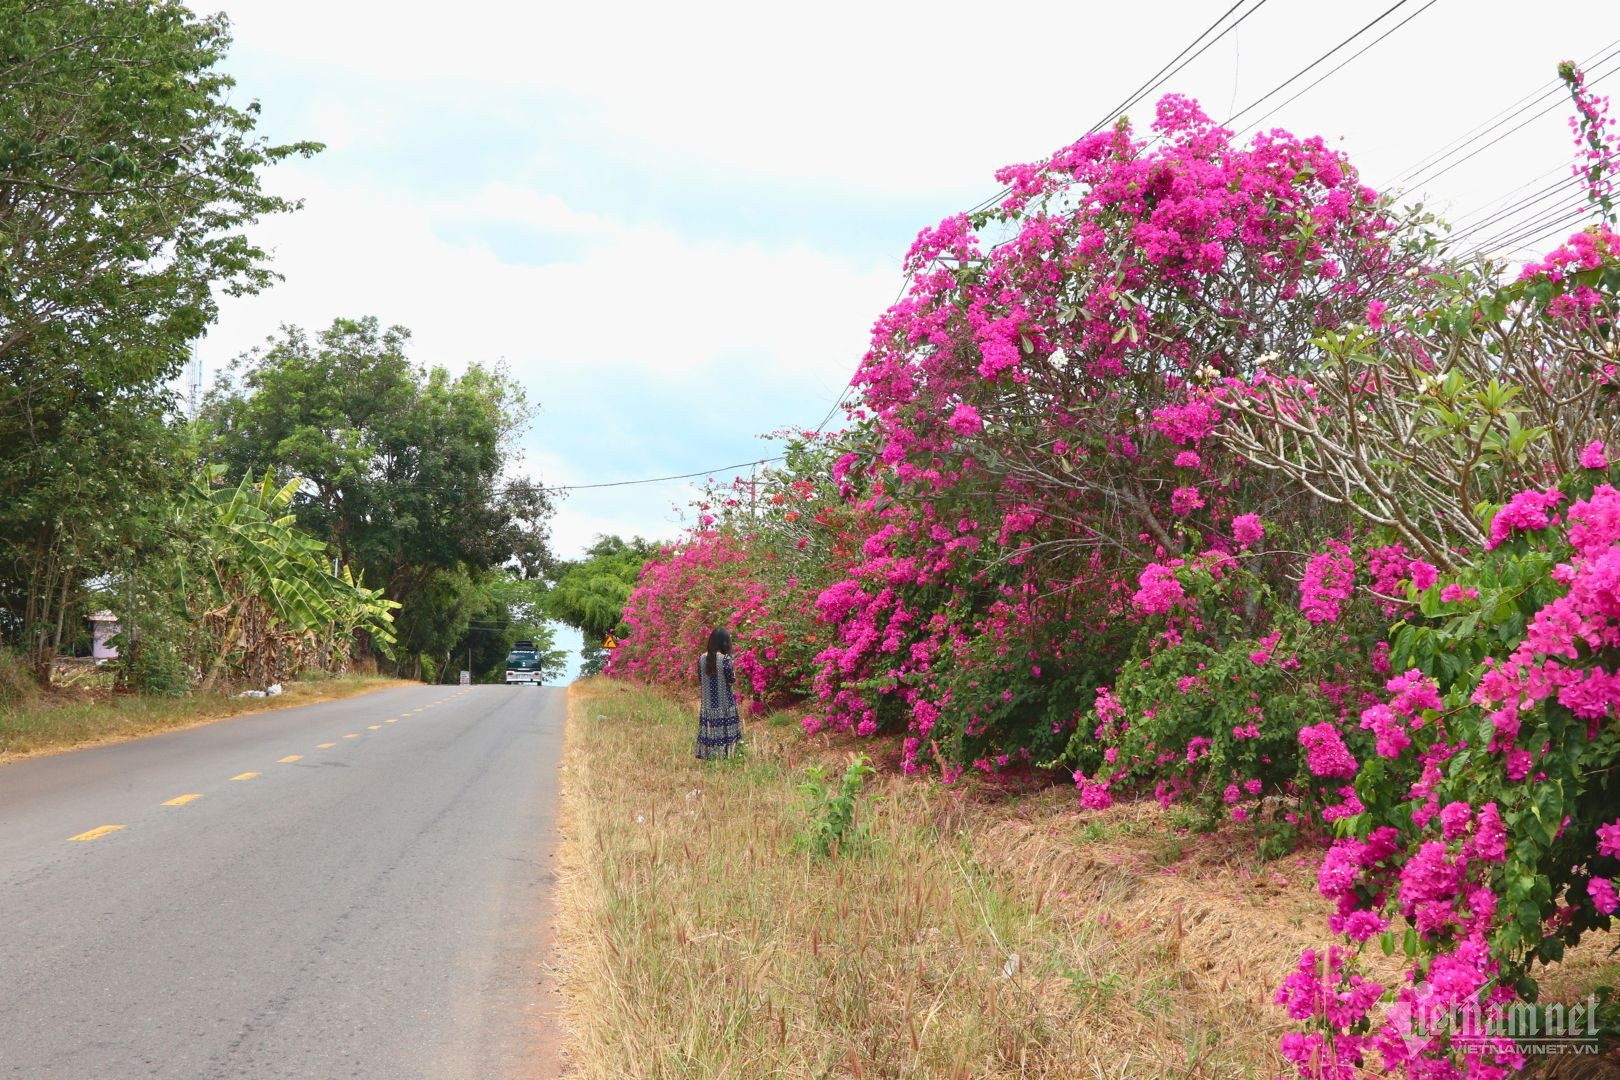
<point x="719" y="642"/>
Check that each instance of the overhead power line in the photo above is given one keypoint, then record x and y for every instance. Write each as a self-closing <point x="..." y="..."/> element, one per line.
<point x="1513" y="223"/>
<point x="1493" y="206"/>
<point x="1164" y="72"/>
<point x="1189" y="53"/>
<point x="1158" y="79"/>
<point x="1527" y="204"/>
<point x="1168" y="71"/>
<point x="1302" y="72"/>
<point x="1275" y="109"/>
<point x="1437" y="165"/>
<point x="663" y="479"/>
<point x="1552" y="88"/>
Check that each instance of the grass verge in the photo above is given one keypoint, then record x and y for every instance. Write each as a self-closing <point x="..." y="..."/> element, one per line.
<point x="48" y="723"/>
<point x="967" y="935"/>
<point x="702" y="939"/>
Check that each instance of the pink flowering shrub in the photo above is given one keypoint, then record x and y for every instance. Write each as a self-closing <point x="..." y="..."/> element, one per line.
<point x="1225" y="711"/>
<point x="1029" y="436"/>
<point x="755" y="566"/>
<point x="1594" y="139"/>
<point x="1328" y="582"/>
<point x="1487" y="809"/>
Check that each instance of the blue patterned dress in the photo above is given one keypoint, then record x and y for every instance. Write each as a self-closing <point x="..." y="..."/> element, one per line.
<point x="719" y="724"/>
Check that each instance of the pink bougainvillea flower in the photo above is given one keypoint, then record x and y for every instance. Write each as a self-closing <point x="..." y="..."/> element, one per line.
<point x="1325" y="752"/>
<point x="1602" y="892"/>
<point x="965" y="420"/>
<point x="1184" y="500"/>
<point x="1609" y="839"/>
<point x="1159" y="590"/>
<point x="1593" y="456"/>
<point x="1328" y="583"/>
<point x="1423" y="575"/>
<point x="1247" y="530"/>
<point x="1525" y="512"/>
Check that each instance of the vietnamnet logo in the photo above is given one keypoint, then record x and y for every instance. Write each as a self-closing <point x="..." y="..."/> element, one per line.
<point x="1557" y="1028"/>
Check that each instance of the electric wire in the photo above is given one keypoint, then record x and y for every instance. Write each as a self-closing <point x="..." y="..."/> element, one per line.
<point x="1494" y="204"/>
<point x="1479" y="130"/>
<point x="1147" y="89"/>
<point x="1505" y="215"/>
<point x="1164" y="74"/>
<point x="1512" y="234"/>
<point x="1170" y="69"/>
<point x="1255" y="124"/>
<point x="1534" y="208"/>
<point x="1552" y="222"/>
<point x="1496" y="120"/>
<point x="663" y="479"/>
<point x="1434" y="171"/>
<point x="1307" y="68"/>
<point x="1174" y="67"/>
<point x="1478" y="150"/>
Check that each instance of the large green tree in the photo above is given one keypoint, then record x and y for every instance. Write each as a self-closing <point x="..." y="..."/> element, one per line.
<point x="127" y="178"/>
<point x="590" y="593"/>
<point x="402" y="467"/>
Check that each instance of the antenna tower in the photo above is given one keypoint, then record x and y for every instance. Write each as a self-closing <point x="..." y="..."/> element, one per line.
<point x="194" y="380"/>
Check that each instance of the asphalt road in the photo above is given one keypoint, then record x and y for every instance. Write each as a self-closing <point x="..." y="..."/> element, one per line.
<point x="355" y="888"/>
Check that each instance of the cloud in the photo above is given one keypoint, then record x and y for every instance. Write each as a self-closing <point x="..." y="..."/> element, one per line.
<point x="636" y="298"/>
<point x="647" y="353"/>
<point x="503" y="203"/>
<point x="915" y="97"/>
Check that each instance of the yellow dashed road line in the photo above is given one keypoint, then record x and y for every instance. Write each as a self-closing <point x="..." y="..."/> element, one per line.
<point x="180" y="800"/>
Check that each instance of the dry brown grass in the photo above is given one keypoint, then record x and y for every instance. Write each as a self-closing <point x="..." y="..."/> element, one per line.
<point x="700" y="941"/>
<point x="83" y="715"/>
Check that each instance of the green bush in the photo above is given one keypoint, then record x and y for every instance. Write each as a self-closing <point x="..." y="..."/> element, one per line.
<point x="832" y="824"/>
<point x="17" y="685"/>
<point x="154" y="667"/>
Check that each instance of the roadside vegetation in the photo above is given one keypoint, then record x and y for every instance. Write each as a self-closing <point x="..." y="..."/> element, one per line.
<point x="83" y="708"/>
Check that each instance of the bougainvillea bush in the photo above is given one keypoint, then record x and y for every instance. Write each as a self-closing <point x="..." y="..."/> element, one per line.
<point x="1241" y="715"/>
<point x="1028" y="408"/>
<point x="1488" y="831"/>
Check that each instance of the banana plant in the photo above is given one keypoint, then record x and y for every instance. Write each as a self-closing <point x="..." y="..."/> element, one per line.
<point x="261" y="594"/>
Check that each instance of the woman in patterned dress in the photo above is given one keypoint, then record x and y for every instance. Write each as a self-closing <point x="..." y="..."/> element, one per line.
<point x="719" y="724"/>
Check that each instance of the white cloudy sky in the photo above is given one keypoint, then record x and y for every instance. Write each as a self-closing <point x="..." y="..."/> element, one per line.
<point x="676" y="222"/>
